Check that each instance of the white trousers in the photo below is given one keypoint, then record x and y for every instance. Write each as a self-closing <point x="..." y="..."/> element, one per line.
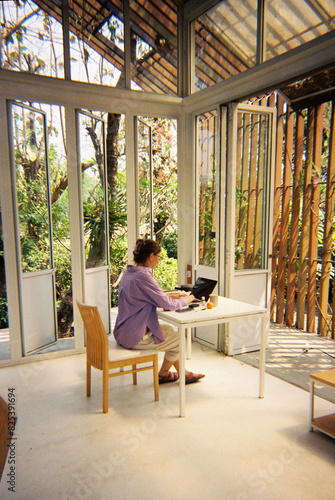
<point x="170" y="345"/>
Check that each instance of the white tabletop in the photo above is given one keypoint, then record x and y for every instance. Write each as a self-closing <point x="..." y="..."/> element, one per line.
<point x="227" y="309"/>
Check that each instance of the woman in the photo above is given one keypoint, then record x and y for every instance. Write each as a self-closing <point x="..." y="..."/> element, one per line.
<point x="137" y="325"/>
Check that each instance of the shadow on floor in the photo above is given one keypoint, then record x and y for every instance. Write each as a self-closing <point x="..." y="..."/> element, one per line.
<point x="292" y="355"/>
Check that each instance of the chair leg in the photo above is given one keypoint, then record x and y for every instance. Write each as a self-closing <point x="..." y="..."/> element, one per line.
<point x="88" y="379"/>
<point x="134" y="375"/>
<point x="105" y="391"/>
<point x="155" y="372"/>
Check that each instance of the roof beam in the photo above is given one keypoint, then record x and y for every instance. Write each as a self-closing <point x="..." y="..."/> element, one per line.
<point x="195" y="8"/>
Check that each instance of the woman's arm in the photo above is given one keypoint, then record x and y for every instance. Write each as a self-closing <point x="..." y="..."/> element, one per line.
<point x="156" y="296"/>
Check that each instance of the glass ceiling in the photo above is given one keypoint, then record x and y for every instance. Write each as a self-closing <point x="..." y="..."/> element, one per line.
<point x="226" y="40"/>
<point x="226" y="35"/>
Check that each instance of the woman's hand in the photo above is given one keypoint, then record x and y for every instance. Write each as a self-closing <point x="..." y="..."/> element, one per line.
<point x="189" y="298"/>
<point x="177" y="294"/>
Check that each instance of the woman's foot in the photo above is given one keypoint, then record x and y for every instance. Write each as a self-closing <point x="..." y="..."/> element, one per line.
<point x="169" y="377"/>
<point x="191" y="378"/>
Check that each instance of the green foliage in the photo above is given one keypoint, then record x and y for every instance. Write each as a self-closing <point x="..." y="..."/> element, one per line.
<point x="118" y="262"/>
<point x="94" y="222"/>
<point x="62" y="264"/>
<point x="170" y="243"/>
<point x="166" y="273"/>
<point x="3" y="313"/>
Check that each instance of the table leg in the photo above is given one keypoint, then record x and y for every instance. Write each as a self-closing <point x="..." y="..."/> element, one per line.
<point x="189" y="342"/>
<point x="182" y="371"/>
<point x="262" y="358"/>
<point x="311" y="404"/>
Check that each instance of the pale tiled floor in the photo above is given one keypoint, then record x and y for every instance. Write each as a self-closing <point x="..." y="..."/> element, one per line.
<point x="230" y="446"/>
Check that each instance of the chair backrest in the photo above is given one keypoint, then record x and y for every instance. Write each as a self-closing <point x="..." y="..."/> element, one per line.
<point x="7" y="425"/>
<point x="96" y="336"/>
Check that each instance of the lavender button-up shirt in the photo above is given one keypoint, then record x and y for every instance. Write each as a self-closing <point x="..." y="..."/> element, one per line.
<point x="139" y="297"/>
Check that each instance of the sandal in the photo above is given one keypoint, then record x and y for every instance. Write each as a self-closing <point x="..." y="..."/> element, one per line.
<point x="171" y="377"/>
<point x="193" y="377"/>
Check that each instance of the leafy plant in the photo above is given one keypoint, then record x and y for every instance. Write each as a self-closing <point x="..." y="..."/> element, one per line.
<point x="166" y="273"/>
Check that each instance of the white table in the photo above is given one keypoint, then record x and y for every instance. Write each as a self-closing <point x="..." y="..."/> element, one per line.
<point x="226" y="311"/>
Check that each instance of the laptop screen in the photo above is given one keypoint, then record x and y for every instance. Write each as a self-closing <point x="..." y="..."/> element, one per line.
<point x="203" y="287"/>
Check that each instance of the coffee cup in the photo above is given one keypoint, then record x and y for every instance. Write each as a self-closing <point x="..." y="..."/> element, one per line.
<point x="214" y="299"/>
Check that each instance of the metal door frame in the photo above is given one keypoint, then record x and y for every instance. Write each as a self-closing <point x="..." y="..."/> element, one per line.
<point x="25" y="316"/>
<point x="231" y="273"/>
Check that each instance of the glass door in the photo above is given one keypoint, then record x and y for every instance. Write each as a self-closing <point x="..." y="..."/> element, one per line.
<point x="92" y="137"/>
<point x="207" y="223"/>
<point x="250" y="161"/>
<point x="29" y="160"/>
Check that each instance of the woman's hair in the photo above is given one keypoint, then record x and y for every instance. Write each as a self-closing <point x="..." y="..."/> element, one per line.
<point x="143" y="249"/>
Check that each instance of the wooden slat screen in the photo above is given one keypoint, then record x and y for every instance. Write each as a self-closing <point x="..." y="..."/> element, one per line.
<point x="303" y="290"/>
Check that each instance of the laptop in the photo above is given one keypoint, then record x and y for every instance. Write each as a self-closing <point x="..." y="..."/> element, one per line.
<point x="203" y="287"/>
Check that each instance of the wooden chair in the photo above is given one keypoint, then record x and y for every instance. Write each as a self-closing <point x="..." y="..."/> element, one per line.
<point x="7" y="426"/>
<point x="105" y="354"/>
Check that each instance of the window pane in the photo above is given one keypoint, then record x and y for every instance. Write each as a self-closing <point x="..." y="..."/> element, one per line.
<point x="225" y="41"/>
<point x="154" y="46"/>
<point x="97" y="45"/>
<point x="32" y="188"/>
<point x="145" y="179"/>
<point x="251" y="190"/>
<point x="117" y="198"/>
<point x="206" y="167"/>
<point x="92" y="159"/>
<point x="32" y="40"/>
<point x="295" y="22"/>
<point x="157" y="170"/>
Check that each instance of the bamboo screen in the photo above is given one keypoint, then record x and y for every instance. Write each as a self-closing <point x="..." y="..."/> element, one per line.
<point x="303" y="292"/>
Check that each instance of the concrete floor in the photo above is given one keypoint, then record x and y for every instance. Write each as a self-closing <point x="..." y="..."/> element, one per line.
<point x="293" y="354"/>
<point x="231" y="445"/>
